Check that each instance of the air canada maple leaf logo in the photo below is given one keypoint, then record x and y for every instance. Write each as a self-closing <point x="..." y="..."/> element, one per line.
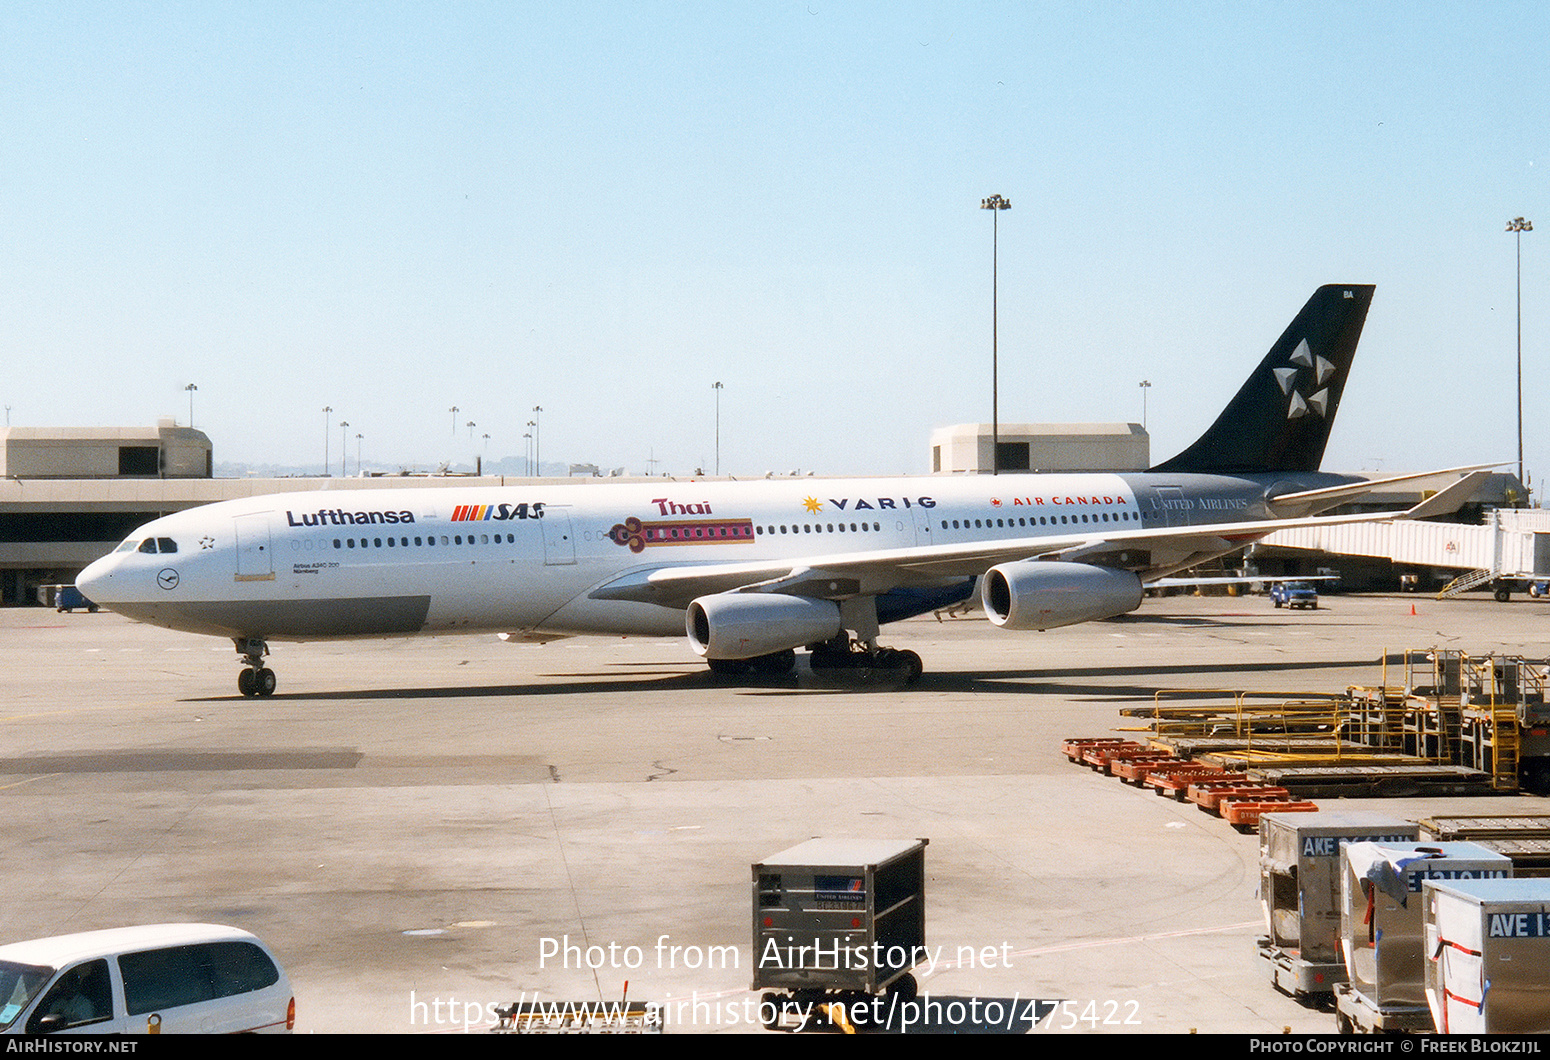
<point x="1304" y="383"/>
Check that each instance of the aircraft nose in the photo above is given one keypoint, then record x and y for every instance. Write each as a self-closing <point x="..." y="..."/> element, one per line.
<point x="95" y="581"/>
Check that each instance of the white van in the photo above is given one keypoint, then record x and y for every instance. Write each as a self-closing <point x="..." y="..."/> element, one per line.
<point x="155" y="979"/>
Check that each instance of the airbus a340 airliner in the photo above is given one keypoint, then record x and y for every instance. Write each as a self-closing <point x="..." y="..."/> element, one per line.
<point x="754" y="570"/>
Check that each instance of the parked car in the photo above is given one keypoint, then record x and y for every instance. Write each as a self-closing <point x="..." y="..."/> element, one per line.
<point x="1294" y="594"/>
<point x="153" y="979"/>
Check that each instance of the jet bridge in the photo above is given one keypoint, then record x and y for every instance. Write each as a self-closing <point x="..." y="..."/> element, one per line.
<point x="1512" y="547"/>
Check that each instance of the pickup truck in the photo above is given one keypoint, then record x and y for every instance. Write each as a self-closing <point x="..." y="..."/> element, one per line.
<point x="1294" y="594"/>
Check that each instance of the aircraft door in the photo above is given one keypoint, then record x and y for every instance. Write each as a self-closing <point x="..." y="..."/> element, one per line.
<point x="922" y="525"/>
<point x="255" y="555"/>
<point x="559" y="541"/>
<point x="1173" y="505"/>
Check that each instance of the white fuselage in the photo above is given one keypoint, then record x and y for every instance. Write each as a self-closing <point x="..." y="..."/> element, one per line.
<point x="349" y="563"/>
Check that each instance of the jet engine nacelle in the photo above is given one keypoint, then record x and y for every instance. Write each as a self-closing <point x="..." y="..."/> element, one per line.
<point x="1034" y="595"/>
<point x="745" y="625"/>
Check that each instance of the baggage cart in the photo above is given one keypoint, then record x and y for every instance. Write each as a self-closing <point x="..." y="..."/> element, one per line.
<point x="1488" y="955"/>
<point x="837" y="921"/>
<point x="1299" y="890"/>
<point x="1382" y="931"/>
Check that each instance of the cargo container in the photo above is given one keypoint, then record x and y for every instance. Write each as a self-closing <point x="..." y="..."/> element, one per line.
<point x="1488" y="955"/>
<point x="838" y="920"/>
<point x="1299" y="890"/>
<point x="1381" y="928"/>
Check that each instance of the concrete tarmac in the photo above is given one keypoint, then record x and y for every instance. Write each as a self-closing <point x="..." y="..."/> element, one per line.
<point x="425" y="828"/>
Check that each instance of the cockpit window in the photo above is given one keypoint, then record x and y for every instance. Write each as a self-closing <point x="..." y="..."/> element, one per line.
<point x="128" y="546"/>
<point x="148" y="545"/>
<point x="166" y="545"/>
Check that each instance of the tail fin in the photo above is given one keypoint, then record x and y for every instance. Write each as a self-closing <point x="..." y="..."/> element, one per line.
<point x="1280" y="419"/>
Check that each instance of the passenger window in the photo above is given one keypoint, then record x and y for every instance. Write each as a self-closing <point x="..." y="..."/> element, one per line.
<point x="82" y="996"/>
<point x="239" y="968"/>
<point x="158" y="979"/>
<point x="187" y="975"/>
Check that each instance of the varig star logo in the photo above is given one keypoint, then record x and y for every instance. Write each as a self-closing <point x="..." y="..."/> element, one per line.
<point x="813" y="504"/>
<point x="1312" y="372"/>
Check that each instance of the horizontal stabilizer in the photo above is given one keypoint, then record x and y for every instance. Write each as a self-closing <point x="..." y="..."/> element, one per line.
<point x="1447" y="501"/>
<point x="1319" y="499"/>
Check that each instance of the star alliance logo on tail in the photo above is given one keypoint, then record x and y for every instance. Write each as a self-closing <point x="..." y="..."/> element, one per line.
<point x="1308" y="363"/>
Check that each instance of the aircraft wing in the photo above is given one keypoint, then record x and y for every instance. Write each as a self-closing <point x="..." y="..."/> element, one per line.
<point x="1240" y="579"/>
<point x="1306" y="500"/>
<point x="849" y="574"/>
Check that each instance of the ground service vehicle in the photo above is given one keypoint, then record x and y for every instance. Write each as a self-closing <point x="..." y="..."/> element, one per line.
<point x="1294" y="594"/>
<point x="152" y="979"/>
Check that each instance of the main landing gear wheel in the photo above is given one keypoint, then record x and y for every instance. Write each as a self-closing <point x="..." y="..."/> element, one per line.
<point x="775" y="664"/>
<point x="906" y="662"/>
<point x="839" y="655"/>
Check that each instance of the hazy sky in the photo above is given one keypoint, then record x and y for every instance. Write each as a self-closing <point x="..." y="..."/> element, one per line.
<point x="602" y="209"/>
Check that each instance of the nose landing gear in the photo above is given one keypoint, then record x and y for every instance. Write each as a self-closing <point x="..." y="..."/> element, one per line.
<point x="255" y="679"/>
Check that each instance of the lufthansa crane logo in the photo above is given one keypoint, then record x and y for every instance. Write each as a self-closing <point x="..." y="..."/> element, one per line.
<point x="167" y="578"/>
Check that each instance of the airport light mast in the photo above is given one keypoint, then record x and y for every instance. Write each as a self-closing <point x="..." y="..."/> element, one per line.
<point x="538" y="459"/>
<point x="190" y="388"/>
<point x="344" y="448"/>
<point x="1146" y="384"/>
<point x="1517" y="226"/>
<point x="328" y="423"/>
<point x="995" y="204"/>
<point x="718" y="388"/>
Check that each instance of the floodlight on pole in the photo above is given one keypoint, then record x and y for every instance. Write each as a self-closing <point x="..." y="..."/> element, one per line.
<point x="1517" y="226"/>
<point x="995" y="204"/>
<point x="344" y="448"/>
<point x="718" y="388"/>
<point x="190" y="388"/>
<point x="538" y="456"/>
<point x="328" y="424"/>
<point x="1146" y="384"/>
